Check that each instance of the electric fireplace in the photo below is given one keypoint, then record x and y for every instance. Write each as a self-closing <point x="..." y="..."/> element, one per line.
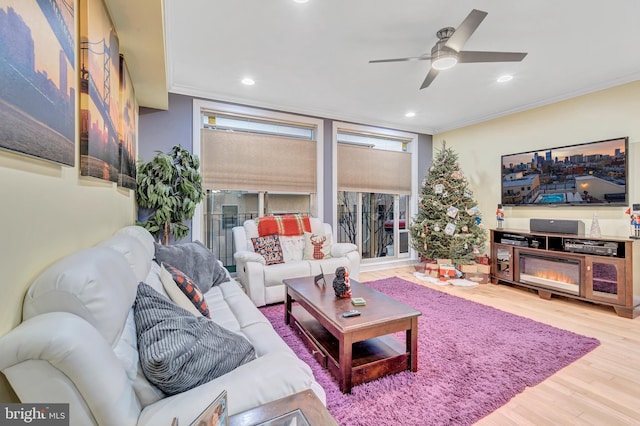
<point x="550" y="272"/>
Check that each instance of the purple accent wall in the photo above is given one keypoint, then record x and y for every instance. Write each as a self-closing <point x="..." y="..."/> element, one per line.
<point x="160" y="130"/>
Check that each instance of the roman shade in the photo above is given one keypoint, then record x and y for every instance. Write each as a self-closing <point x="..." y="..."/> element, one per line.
<point x="255" y="162"/>
<point x="364" y="169"/>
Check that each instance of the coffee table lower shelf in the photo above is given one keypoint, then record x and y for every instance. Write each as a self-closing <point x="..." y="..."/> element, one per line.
<point x="371" y="358"/>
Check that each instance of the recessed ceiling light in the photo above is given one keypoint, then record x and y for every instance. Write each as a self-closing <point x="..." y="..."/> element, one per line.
<point x="410" y="114"/>
<point x="301" y="1"/>
<point x="504" y="78"/>
<point x="248" y="81"/>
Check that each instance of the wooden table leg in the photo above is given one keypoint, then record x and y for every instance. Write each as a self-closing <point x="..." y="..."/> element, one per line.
<point x="287" y="309"/>
<point x="345" y="354"/>
<point x="412" y="344"/>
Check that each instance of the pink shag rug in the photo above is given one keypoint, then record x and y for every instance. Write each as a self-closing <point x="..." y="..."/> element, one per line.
<point x="472" y="359"/>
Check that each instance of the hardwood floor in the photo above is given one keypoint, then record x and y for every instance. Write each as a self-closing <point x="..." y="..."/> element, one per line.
<point x="601" y="388"/>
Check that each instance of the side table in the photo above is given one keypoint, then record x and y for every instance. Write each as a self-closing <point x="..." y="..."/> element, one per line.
<point x="306" y="401"/>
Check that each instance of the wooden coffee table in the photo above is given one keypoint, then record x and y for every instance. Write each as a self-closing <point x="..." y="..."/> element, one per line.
<point x="358" y="349"/>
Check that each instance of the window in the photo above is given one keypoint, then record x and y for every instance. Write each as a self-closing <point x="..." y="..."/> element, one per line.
<point x="254" y="162"/>
<point x="374" y="169"/>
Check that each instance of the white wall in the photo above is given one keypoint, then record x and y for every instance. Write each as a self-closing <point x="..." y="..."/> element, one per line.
<point x="601" y="115"/>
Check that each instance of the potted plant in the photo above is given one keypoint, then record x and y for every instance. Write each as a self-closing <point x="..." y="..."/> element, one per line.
<point x="170" y="187"/>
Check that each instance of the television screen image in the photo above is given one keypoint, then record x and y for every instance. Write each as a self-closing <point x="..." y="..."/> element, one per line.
<point x="584" y="174"/>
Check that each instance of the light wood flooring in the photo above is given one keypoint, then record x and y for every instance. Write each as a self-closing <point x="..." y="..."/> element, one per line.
<point x="601" y="388"/>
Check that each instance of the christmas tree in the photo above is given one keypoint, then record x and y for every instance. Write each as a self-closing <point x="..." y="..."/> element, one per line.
<point x="448" y="224"/>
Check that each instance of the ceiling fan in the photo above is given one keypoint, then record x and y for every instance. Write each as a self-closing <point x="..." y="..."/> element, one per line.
<point x="448" y="49"/>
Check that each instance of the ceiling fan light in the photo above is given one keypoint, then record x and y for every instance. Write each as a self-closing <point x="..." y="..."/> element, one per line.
<point x="444" y="62"/>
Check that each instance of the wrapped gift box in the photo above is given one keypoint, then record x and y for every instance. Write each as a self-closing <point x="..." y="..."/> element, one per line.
<point x="432" y="270"/>
<point x="485" y="269"/>
<point x="446" y="272"/>
<point x="477" y="277"/>
<point x="465" y="269"/>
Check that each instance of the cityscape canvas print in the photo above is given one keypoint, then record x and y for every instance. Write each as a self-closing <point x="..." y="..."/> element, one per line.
<point x="127" y="177"/>
<point x="99" y="93"/>
<point x="38" y="78"/>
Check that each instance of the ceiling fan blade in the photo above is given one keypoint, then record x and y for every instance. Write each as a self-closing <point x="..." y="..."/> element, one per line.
<point x="468" y="56"/>
<point x="465" y="29"/>
<point x="414" y="58"/>
<point x="433" y="73"/>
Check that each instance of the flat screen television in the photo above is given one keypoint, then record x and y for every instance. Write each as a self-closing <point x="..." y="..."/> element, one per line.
<point x="574" y="175"/>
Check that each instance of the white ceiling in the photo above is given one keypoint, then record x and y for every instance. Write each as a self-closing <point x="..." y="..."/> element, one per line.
<point x="313" y="58"/>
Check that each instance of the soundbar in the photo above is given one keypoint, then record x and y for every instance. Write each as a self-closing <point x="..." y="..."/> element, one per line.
<point x="557" y="226"/>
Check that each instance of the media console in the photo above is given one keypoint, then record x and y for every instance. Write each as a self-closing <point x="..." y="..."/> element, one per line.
<point x="598" y="270"/>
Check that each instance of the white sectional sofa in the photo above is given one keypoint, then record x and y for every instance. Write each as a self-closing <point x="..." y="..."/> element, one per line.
<point x="263" y="283"/>
<point x="77" y="342"/>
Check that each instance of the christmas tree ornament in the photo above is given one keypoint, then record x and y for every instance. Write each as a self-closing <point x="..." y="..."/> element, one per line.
<point x="465" y="228"/>
<point x="473" y="211"/>
<point x="445" y="194"/>
<point x="438" y="188"/>
<point x="478" y="220"/>
<point x="436" y="228"/>
<point x="449" y="229"/>
<point x="452" y="212"/>
<point x="466" y="246"/>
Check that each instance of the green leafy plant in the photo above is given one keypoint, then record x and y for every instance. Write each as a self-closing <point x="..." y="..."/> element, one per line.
<point x="170" y="186"/>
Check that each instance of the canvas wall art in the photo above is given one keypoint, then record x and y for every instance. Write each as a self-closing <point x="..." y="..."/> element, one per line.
<point x="99" y="93"/>
<point x="38" y="78"/>
<point x="128" y="142"/>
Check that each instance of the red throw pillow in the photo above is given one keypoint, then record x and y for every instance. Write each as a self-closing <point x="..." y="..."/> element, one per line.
<point x="189" y="288"/>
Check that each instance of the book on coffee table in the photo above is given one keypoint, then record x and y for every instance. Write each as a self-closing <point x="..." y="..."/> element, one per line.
<point x="358" y="301"/>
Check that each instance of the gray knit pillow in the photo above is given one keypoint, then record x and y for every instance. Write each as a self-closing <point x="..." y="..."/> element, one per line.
<point x="195" y="260"/>
<point x="178" y="350"/>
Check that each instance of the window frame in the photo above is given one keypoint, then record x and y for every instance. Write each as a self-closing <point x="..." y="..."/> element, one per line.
<point x="412" y="148"/>
<point x="200" y="106"/>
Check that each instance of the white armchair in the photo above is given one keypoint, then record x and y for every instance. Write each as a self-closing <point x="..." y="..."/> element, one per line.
<point x="263" y="283"/>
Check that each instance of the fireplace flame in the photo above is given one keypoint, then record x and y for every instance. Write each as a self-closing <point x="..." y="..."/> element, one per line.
<point x="554" y="276"/>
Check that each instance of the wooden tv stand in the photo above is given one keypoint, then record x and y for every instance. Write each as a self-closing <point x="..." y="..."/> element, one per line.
<point x="598" y="270"/>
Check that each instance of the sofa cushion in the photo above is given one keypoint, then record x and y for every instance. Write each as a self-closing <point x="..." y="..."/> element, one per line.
<point x="183" y="291"/>
<point x="133" y="251"/>
<point x="317" y="246"/>
<point x="96" y="284"/>
<point x="292" y="248"/>
<point x="274" y="274"/>
<point x="179" y="351"/>
<point x="269" y="248"/>
<point x="141" y="235"/>
<point x="195" y="260"/>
